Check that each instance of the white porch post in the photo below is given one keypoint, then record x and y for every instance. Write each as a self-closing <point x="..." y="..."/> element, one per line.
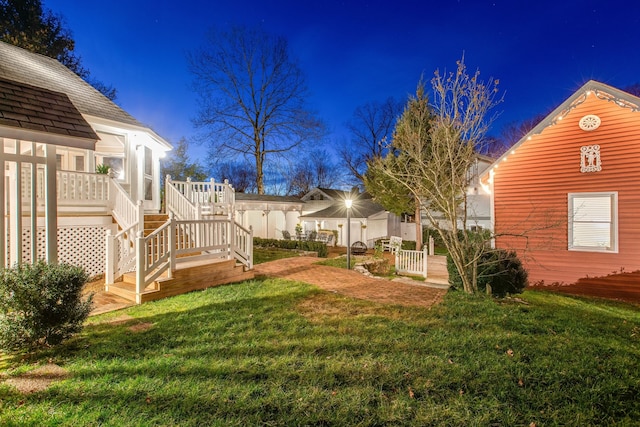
<point x="51" y="204"/>
<point x="425" y="253"/>
<point x="110" y="267"/>
<point x="141" y="263"/>
<point x="3" y="228"/>
<point x="173" y="245"/>
<point x="16" y="202"/>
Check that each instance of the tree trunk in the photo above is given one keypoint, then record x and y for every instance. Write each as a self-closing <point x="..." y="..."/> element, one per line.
<point x="418" y="214"/>
<point x="259" y="174"/>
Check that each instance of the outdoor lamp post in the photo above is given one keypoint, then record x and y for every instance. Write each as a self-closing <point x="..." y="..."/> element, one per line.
<point x="348" y="203"/>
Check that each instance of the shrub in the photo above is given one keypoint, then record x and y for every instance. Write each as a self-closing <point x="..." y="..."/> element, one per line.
<point x="41" y="304"/>
<point x="302" y="245"/>
<point x="408" y="245"/>
<point x="499" y="269"/>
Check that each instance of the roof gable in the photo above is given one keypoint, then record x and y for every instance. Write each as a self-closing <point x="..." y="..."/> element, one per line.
<point x="601" y="91"/>
<point x="29" y="112"/>
<point x="38" y="70"/>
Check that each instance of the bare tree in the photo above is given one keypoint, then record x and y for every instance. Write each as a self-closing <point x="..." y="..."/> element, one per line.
<point x="436" y="147"/>
<point x="240" y="174"/>
<point x="314" y="170"/>
<point x="371" y="127"/>
<point x="252" y="97"/>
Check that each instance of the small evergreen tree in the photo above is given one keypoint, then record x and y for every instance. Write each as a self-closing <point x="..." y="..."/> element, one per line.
<point x="41" y="304"/>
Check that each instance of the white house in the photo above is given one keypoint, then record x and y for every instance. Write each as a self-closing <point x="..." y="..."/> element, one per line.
<point x="55" y="130"/>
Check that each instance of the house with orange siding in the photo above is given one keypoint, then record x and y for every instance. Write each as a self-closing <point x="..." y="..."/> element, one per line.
<point x="566" y="197"/>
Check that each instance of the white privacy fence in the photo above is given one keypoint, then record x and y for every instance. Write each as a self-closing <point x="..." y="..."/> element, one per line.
<point x="412" y="262"/>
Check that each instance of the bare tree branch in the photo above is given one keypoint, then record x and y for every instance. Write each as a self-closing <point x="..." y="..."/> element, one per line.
<point x="252" y="97"/>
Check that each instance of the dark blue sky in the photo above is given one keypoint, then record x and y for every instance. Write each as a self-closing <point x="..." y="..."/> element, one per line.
<point x="353" y="52"/>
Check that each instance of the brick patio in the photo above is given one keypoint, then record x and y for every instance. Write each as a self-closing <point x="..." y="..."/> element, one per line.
<point x="351" y="283"/>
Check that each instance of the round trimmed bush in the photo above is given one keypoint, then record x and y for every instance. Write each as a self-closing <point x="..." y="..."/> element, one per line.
<point x="41" y="304"/>
<point x="500" y="269"/>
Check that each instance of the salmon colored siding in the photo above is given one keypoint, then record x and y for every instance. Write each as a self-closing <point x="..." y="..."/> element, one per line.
<point x="530" y="193"/>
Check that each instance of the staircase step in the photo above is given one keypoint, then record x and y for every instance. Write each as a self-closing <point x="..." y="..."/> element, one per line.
<point x="189" y="276"/>
<point x="156" y="217"/>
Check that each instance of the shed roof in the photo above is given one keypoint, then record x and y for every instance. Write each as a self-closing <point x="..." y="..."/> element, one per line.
<point x="30" y="112"/>
<point x="267" y="198"/>
<point x="361" y="208"/>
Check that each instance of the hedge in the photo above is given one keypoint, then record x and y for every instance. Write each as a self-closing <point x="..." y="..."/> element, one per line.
<point x="301" y="245"/>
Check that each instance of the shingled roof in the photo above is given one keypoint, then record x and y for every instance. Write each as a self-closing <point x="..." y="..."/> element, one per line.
<point x="46" y="115"/>
<point x="361" y="208"/>
<point x="21" y="66"/>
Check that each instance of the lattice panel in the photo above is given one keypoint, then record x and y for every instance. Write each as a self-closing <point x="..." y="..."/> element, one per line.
<point x="82" y="246"/>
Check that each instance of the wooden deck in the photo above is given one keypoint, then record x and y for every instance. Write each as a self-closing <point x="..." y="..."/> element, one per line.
<point x="189" y="276"/>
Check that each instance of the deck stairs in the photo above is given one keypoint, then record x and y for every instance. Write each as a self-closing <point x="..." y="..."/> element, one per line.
<point x="183" y="252"/>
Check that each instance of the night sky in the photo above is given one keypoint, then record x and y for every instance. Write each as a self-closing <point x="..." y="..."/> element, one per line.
<point x="354" y="52"/>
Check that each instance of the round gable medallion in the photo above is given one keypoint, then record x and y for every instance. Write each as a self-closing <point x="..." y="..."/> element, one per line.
<point x="590" y="122"/>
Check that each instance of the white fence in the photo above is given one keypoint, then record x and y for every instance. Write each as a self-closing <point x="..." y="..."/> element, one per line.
<point x="412" y="262"/>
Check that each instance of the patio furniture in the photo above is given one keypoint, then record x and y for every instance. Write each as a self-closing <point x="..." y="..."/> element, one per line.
<point x="393" y="244"/>
<point x="358" y="248"/>
<point x="286" y="235"/>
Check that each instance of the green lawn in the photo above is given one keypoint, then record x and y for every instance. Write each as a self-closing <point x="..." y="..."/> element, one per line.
<point x="275" y="353"/>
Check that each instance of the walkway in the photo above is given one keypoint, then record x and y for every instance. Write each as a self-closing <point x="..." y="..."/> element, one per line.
<point x="350" y="283"/>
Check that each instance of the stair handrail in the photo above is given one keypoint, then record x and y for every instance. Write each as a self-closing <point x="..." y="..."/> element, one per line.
<point x="243" y="245"/>
<point x="121" y="254"/>
<point x="154" y="254"/>
<point x="177" y="201"/>
<point x="212" y="198"/>
<point x="120" y="248"/>
<point x="124" y="209"/>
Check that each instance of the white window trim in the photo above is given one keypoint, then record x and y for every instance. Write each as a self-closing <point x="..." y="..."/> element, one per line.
<point x="614" y="222"/>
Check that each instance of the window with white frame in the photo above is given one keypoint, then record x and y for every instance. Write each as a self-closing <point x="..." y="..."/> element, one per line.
<point x="593" y="222"/>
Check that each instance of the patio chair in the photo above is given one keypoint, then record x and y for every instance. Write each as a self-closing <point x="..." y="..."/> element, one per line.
<point x="312" y="236"/>
<point x="358" y="248"/>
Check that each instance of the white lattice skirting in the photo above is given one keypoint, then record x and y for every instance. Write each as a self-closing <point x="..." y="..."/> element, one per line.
<point x="82" y="246"/>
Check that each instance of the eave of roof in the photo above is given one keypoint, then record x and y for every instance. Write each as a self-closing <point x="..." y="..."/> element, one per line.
<point x="32" y="113"/>
<point x="601" y="90"/>
<point x="246" y="197"/>
<point x="19" y="65"/>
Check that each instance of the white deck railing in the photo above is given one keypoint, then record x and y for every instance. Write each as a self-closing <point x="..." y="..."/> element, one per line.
<point x="158" y="252"/>
<point x="72" y="188"/>
<point x="412" y="262"/>
<point x="78" y="188"/>
<point x="210" y="197"/>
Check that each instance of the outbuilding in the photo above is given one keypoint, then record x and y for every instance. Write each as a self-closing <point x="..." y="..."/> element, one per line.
<point x="566" y="197"/>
